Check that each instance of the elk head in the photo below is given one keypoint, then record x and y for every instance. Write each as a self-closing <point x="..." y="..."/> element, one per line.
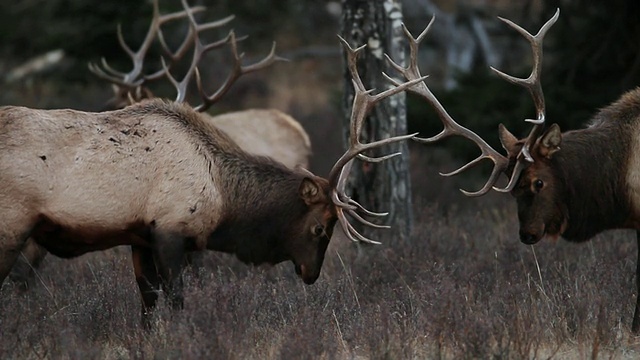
<point x="329" y="198"/>
<point x="533" y="174"/>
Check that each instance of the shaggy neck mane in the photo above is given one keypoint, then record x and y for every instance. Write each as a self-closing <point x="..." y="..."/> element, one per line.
<point x="261" y="205"/>
<point x="212" y="139"/>
<point x="593" y="164"/>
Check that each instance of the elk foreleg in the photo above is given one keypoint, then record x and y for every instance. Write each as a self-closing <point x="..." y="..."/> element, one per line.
<point x="10" y="248"/>
<point x="26" y="265"/>
<point x="635" y="326"/>
<point x="168" y="251"/>
<point x="148" y="280"/>
<point x="16" y="225"/>
<point x="14" y="231"/>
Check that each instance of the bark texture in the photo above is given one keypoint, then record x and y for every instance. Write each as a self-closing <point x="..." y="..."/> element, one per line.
<point x="384" y="186"/>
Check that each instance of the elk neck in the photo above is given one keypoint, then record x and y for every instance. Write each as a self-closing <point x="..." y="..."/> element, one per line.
<point x="260" y="197"/>
<point x="262" y="207"/>
<point x="596" y="165"/>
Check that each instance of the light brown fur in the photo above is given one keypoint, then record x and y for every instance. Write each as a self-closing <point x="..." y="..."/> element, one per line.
<point x="267" y="132"/>
<point x="264" y="132"/>
<point x="77" y="158"/>
<point x="157" y="176"/>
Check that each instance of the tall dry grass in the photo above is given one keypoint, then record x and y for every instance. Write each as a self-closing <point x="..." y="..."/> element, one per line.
<point x="465" y="287"/>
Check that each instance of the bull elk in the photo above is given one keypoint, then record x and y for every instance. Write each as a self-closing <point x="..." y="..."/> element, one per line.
<point x="263" y="132"/>
<point x="574" y="184"/>
<point x="160" y="178"/>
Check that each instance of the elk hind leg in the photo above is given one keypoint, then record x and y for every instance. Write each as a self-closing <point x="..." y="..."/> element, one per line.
<point x="10" y="246"/>
<point x="15" y="227"/>
<point x="635" y="326"/>
<point x="169" y="251"/>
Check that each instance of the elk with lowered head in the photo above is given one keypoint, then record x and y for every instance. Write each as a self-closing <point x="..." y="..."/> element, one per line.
<point x="160" y="178"/>
<point x="574" y="184"/>
<point x="264" y="132"/>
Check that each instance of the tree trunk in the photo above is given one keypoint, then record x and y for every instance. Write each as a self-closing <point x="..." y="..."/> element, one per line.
<point x="386" y="186"/>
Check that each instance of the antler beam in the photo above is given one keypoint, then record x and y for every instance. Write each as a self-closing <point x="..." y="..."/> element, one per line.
<point x="534" y="85"/>
<point x="451" y="127"/>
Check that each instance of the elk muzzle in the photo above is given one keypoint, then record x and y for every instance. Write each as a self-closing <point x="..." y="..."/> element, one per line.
<point x="528" y="237"/>
<point x="307" y="276"/>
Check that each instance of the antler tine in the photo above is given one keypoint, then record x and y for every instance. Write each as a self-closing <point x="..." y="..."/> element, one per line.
<point x="104" y="74"/>
<point x="175" y="56"/>
<point x="237" y="71"/>
<point x="199" y="50"/>
<point x="534" y="85"/>
<point x="345" y="204"/>
<point x="357" y="216"/>
<point x="131" y="79"/>
<point x="451" y="127"/>
<point x="364" y="100"/>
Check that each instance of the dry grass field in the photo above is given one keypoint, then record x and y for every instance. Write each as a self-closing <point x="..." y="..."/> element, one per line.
<point x="464" y="287"/>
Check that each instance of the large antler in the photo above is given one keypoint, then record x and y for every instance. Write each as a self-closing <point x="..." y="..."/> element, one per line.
<point x="534" y="85"/>
<point x="451" y="127"/>
<point x="200" y="49"/>
<point x="363" y="102"/>
<point x="134" y="78"/>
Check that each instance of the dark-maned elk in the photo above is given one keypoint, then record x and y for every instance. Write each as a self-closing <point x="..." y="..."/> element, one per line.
<point x="263" y="132"/>
<point x="160" y="178"/>
<point x="574" y="184"/>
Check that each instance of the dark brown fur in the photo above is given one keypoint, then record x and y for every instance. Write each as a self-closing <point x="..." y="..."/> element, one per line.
<point x="585" y="181"/>
<point x="590" y="180"/>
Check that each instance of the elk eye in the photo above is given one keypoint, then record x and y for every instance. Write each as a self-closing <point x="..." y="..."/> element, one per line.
<point x="317" y="230"/>
<point x="538" y="185"/>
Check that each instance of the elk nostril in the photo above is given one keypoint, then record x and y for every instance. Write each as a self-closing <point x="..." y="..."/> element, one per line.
<point x="528" y="238"/>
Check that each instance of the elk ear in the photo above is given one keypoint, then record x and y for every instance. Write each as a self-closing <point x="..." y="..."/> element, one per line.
<point x="310" y="191"/>
<point x="508" y="141"/>
<point x="550" y="141"/>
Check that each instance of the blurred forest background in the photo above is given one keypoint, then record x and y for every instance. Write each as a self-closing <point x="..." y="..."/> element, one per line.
<point x="464" y="288"/>
<point x="591" y="56"/>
